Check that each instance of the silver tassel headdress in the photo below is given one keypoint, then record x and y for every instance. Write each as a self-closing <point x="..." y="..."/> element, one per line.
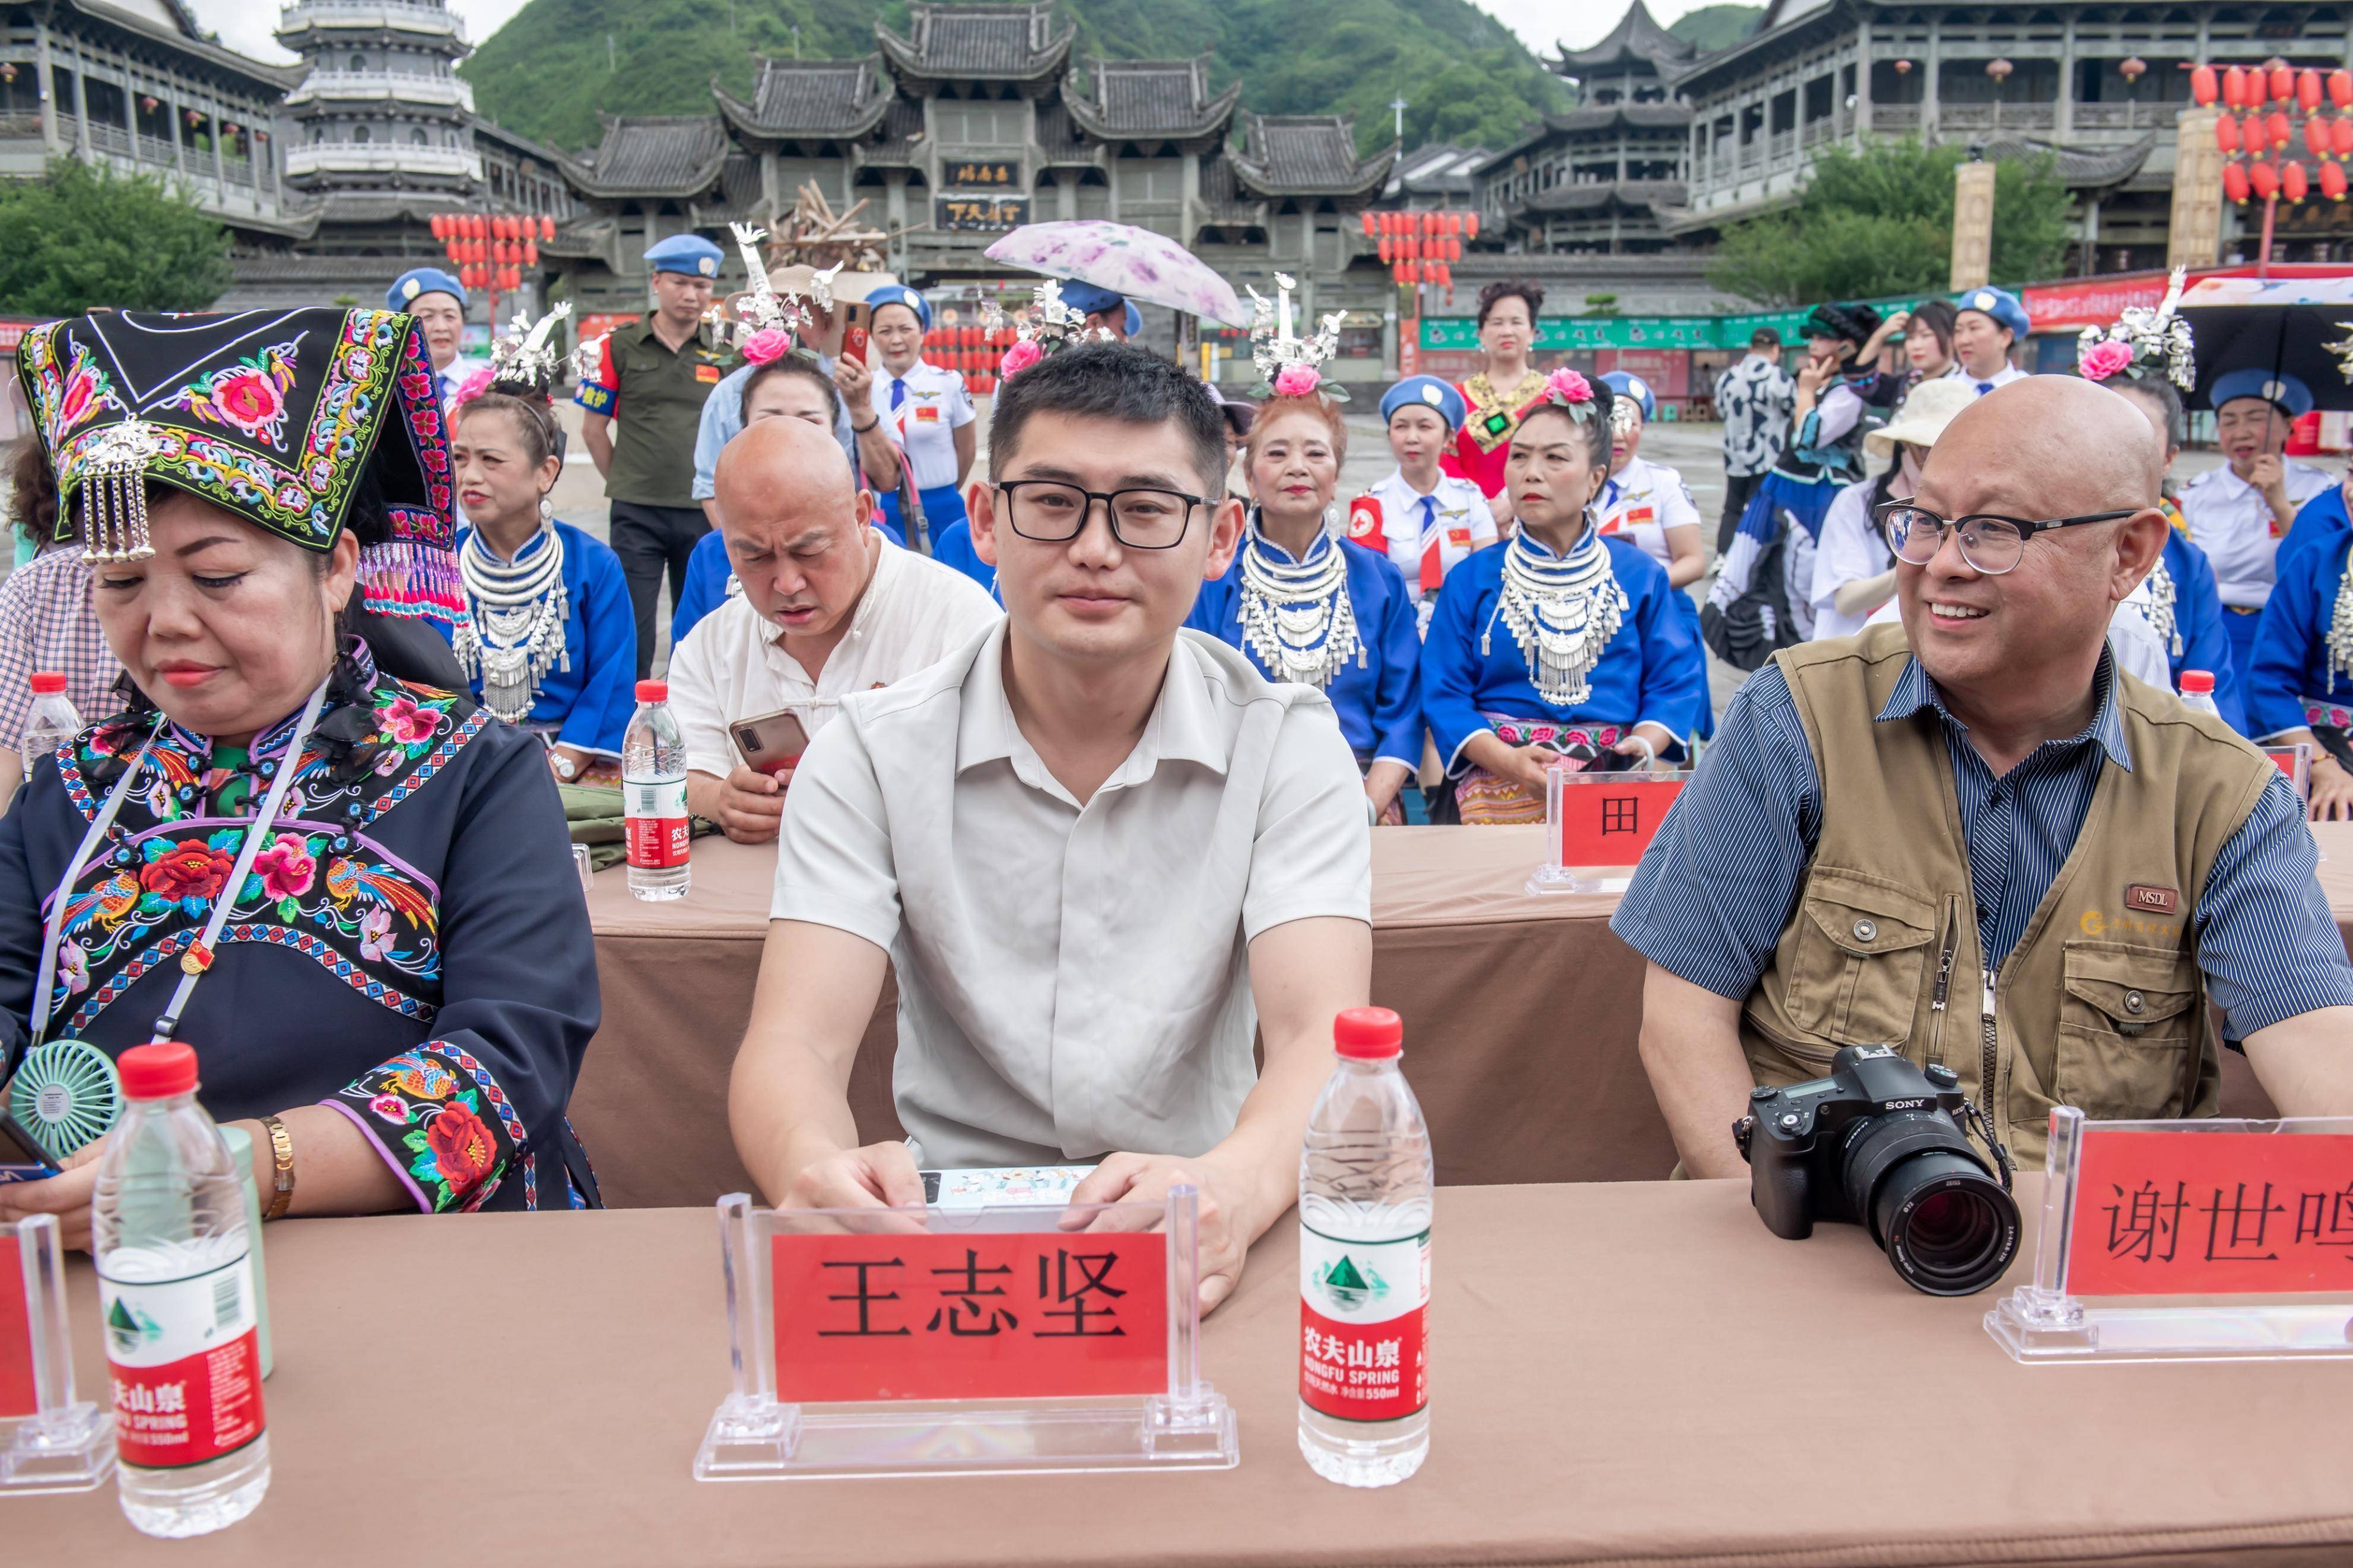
<point x="1047" y="327"/>
<point x="526" y="356"/>
<point x="114" y="493"/>
<point x="2155" y="339"/>
<point x="1289" y="365"/>
<point x="762" y="308"/>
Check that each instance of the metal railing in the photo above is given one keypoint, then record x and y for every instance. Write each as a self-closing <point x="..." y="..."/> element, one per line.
<point x="16" y="127"/>
<point x="1894" y="117"/>
<point x="405" y="86"/>
<point x="420" y="18"/>
<point x="318" y="157"/>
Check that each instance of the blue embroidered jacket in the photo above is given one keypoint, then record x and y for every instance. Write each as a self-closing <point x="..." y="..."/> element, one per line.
<point x="592" y="700"/>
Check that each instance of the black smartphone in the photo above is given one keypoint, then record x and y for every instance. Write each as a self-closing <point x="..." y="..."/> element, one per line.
<point x="22" y="1157"/>
<point x="1609" y="762"/>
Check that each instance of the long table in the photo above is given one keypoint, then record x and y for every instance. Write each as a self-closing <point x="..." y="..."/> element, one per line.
<point x="1621" y="1373"/>
<point x="1521" y="1017"/>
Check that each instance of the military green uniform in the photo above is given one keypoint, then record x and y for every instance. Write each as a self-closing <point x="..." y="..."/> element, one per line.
<point x="654" y="395"/>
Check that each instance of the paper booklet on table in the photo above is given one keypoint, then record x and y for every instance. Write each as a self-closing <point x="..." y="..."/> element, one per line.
<point x="1597" y="825"/>
<point x="962" y="1342"/>
<point x="2200" y="1239"/>
<point x="49" y="1441"/>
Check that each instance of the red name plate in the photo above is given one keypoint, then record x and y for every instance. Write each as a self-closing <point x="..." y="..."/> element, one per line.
<point x="2295" y="763"/>
<point x="2193" y="1213"/>
<point x="18" y="1394"/>
<point x="1035" y="1315"/>
<point x="1611" y="824"/>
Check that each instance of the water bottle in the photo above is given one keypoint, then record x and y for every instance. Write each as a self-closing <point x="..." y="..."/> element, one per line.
<point x="2198" y="692"/>
<point x="1365" y="1184"/>
<point x="653" y="796"/>
<point x="175" y="1284"/>
<point x="52" y="722"/>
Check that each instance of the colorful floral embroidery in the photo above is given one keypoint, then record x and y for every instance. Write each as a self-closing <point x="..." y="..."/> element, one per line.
<point x="248" y="397"/>
<point x="69" y="399"/>
<point x="443" y="1120"/>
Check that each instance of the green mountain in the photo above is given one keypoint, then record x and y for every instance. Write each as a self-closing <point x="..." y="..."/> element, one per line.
<point x="1465" y="77"/>
<point x="1715" y="27"/>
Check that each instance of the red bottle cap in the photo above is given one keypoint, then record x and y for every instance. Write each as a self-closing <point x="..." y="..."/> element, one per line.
<point x="1367" y="1034"/>
<point x="2197" y="680"/>
<point x="49" y="682"/>
<point x="653" y="691"/>
<point x="157" y="1072"/>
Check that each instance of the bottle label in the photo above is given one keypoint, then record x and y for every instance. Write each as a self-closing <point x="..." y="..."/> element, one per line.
<point x="1364" y="1344"/>
<point x="657" y="824"/>
<point x="186" y="1360"/>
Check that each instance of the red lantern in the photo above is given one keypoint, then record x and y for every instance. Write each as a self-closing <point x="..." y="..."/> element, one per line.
<point x="2133" y="68"/>
<point x="436" y="225"/>
<point x="2316" y="137"/>
<point x="2263" y="180"/>
<point x="2307" y="89"/>
<point x="546" y="229"/>
<point x="2234" y="181"/>
<point x="1470" y="225"/>
<point x="1412" y="274"/>
<point x="2226" y="134"/>
<point x="2281" y="132"/>
<point x="2332" y="181"/>
<point x="2234" y="88"/>
<point x="477" y="225"/>
<point x="146" y="100"/>
<point x="2341" y="138"/>
<point x="1454" y="250"/>
<point x="2293" y="183"/>
<point x="2283" y="82"/>
<point x="2340" y="89"/>
<point x="1366" y="218"/>
<point x="1386" y="256"/>
<point x="530" y="253"/>
<point x="449" y="250"/>
<point x="1902" y="67"/>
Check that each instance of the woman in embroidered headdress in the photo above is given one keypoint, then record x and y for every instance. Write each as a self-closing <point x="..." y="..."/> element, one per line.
<point x="2147" y="355"/>
<point x="352" y="894"/>
<point x="1562" y="643"/>
<point x="548" y="641"/>
<point x="1500" y="395"/>
<point x="1304" y="603"/>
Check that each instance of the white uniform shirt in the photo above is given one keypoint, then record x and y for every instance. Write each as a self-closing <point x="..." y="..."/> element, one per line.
<point x="935" y="405"/>
<point x="1074" y="980"/>
<point x="1641" y="501"/>
<point x="733" y="665"/>
<point x="1849" y="550"/>
<point x="1458" y="512"/>
<point x="2232" y="522"/>
<point x="2002" y="377"/>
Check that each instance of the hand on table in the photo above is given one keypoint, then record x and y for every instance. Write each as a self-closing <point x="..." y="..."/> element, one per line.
<point x="879" y="1176"/>
<point x="66" y="1196"/>
<point x="751" y="805"/>
<point x="2332" y="798"/>
<point x="1229" y="1213"/>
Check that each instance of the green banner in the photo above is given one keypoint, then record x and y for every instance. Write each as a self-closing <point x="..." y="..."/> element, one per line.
<point x="1563" y="333"/>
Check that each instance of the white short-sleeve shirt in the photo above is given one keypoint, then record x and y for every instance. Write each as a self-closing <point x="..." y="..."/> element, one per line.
<point x="2232" y="522"/>
<point x="1074" y="980"/>
<point x="1849" y="550"/>
<point x="1641" y="501"/>
<point x="935" y="405"/>
<point x="734" y="664"/>
<point x="1458" y="518"/>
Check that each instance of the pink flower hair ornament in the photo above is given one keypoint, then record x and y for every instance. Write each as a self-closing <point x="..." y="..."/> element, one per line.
<point x="766" y="346"/>
<point x="474" y="385"/>
<point x="1567" y="386"/>
<point x="2104" y="359"/>
<point x="1298" y="381"/>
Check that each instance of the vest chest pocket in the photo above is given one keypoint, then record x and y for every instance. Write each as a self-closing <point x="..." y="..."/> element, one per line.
<point x="1861" y="958"/>
<point x="2127" y="1019"/>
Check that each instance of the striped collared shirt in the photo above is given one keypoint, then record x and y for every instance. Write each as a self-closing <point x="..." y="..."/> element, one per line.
<point x="1722" y="879"/>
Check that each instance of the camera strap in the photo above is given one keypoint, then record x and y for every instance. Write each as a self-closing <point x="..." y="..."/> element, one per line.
<point x="1972" y="1117"/>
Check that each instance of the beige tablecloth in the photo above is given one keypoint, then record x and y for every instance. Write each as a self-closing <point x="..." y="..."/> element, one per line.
<point x="1520" y="1018"/>
<point x="1622" y="1373"/>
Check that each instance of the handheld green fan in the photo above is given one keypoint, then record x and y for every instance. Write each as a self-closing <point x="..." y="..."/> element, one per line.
<point x="66" y="1093"/>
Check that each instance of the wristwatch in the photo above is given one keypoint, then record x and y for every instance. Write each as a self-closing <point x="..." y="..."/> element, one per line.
<point x="281" y="1155"/>
<point x="566" y="768"/>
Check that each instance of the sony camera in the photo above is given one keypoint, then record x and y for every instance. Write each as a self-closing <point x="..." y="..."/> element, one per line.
<point x="1881" y="1142"/>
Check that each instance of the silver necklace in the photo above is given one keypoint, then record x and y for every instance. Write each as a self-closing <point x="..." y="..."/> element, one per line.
<point x="1562" y="610"/>
<point x="2161" y="619"/>
<point x="515" y="634"/>
<point x="2340" y="641"/>
<point x="1296" y="617"/>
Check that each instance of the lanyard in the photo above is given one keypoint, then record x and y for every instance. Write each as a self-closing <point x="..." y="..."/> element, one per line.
<point x="199" y="958"/>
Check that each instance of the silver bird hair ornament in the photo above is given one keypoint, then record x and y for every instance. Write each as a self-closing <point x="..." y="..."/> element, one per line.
<point x="1289" y="365"/>
<point x="2158" y="340"/>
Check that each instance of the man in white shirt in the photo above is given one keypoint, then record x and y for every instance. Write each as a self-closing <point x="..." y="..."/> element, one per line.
<point x="1988" y="322"/>
<point x="829" y="607"/>
<point x="1098" y="852"/>
<point x="1427" y="520"/>
<point x="2240" y="512"/>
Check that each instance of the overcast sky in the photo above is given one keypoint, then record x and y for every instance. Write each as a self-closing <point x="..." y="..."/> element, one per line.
<point x="245" y="25"/>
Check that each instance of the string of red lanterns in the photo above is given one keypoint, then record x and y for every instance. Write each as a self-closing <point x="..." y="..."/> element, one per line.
<point x="2264" y="105"/>
<point x="491" y="250"/>
<point x="1420" y="247"/>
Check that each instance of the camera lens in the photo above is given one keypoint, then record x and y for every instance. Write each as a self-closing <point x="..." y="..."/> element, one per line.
<point x="1948" y="1226"/>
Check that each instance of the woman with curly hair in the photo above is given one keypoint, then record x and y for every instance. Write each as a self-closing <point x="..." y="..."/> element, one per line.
<point x="349" y="890"/>
<point x="1500" y="395"/>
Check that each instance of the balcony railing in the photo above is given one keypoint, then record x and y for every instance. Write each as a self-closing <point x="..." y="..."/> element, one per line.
<point x="372" y="157"/>
<point x="404" y="86"/>
<point x="1896" y="117"/>
<point x="381" y="13"/>
<point x="1995" y="117"/>
<point x="2120" y="116"/>
<point x="18" y="127"/>
<point x="1783" y="146"/>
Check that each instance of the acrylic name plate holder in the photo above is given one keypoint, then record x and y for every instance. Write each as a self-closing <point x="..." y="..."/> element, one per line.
<point x="49" y="1441"/>
<point x="1596" y="827"/>
<point x="2295" y="762"/>
<point x="962" y="1342"/>
<point x="2195" y="1240"/>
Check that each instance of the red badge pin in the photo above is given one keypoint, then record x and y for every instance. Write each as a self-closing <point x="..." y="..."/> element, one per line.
<point x="1365" y="520"/>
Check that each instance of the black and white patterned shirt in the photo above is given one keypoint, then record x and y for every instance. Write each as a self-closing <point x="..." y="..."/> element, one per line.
<point x="1754" y="398"/>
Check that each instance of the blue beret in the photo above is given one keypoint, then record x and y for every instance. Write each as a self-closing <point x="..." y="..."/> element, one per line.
<point x="898" y="294"/>
<point x="1088" y="298"/>
<point x="1999" y="303"/>
<point x="420" y="280"/>
<point x="688" y="253"/>
<point x="2291" y="396"/>
<point x="1634" y="389"/>
<point x="1424" y="392"/>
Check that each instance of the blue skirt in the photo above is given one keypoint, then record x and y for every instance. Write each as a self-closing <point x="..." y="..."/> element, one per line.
<point x="942" y="505"/>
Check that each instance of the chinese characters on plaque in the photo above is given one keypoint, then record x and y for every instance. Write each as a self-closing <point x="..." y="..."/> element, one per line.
<point x="979" y="213"/>
<point x="2222" y="1213"/>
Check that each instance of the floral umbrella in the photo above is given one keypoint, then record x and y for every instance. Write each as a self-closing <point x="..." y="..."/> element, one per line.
<point x="1144" y="267"/>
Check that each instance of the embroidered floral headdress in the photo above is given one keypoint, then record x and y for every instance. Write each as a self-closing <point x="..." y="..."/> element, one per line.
<point x="524" y="358"/>
<point x="1047" y="326"/>
<point x="271" y="415"/>
<point x="2142" y="341"/>
<point x="768" y="322"/>
<point x="1291" y="365"/>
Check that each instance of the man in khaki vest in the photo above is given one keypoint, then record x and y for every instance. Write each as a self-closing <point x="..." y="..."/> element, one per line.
<point x="1974" y="838"/>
